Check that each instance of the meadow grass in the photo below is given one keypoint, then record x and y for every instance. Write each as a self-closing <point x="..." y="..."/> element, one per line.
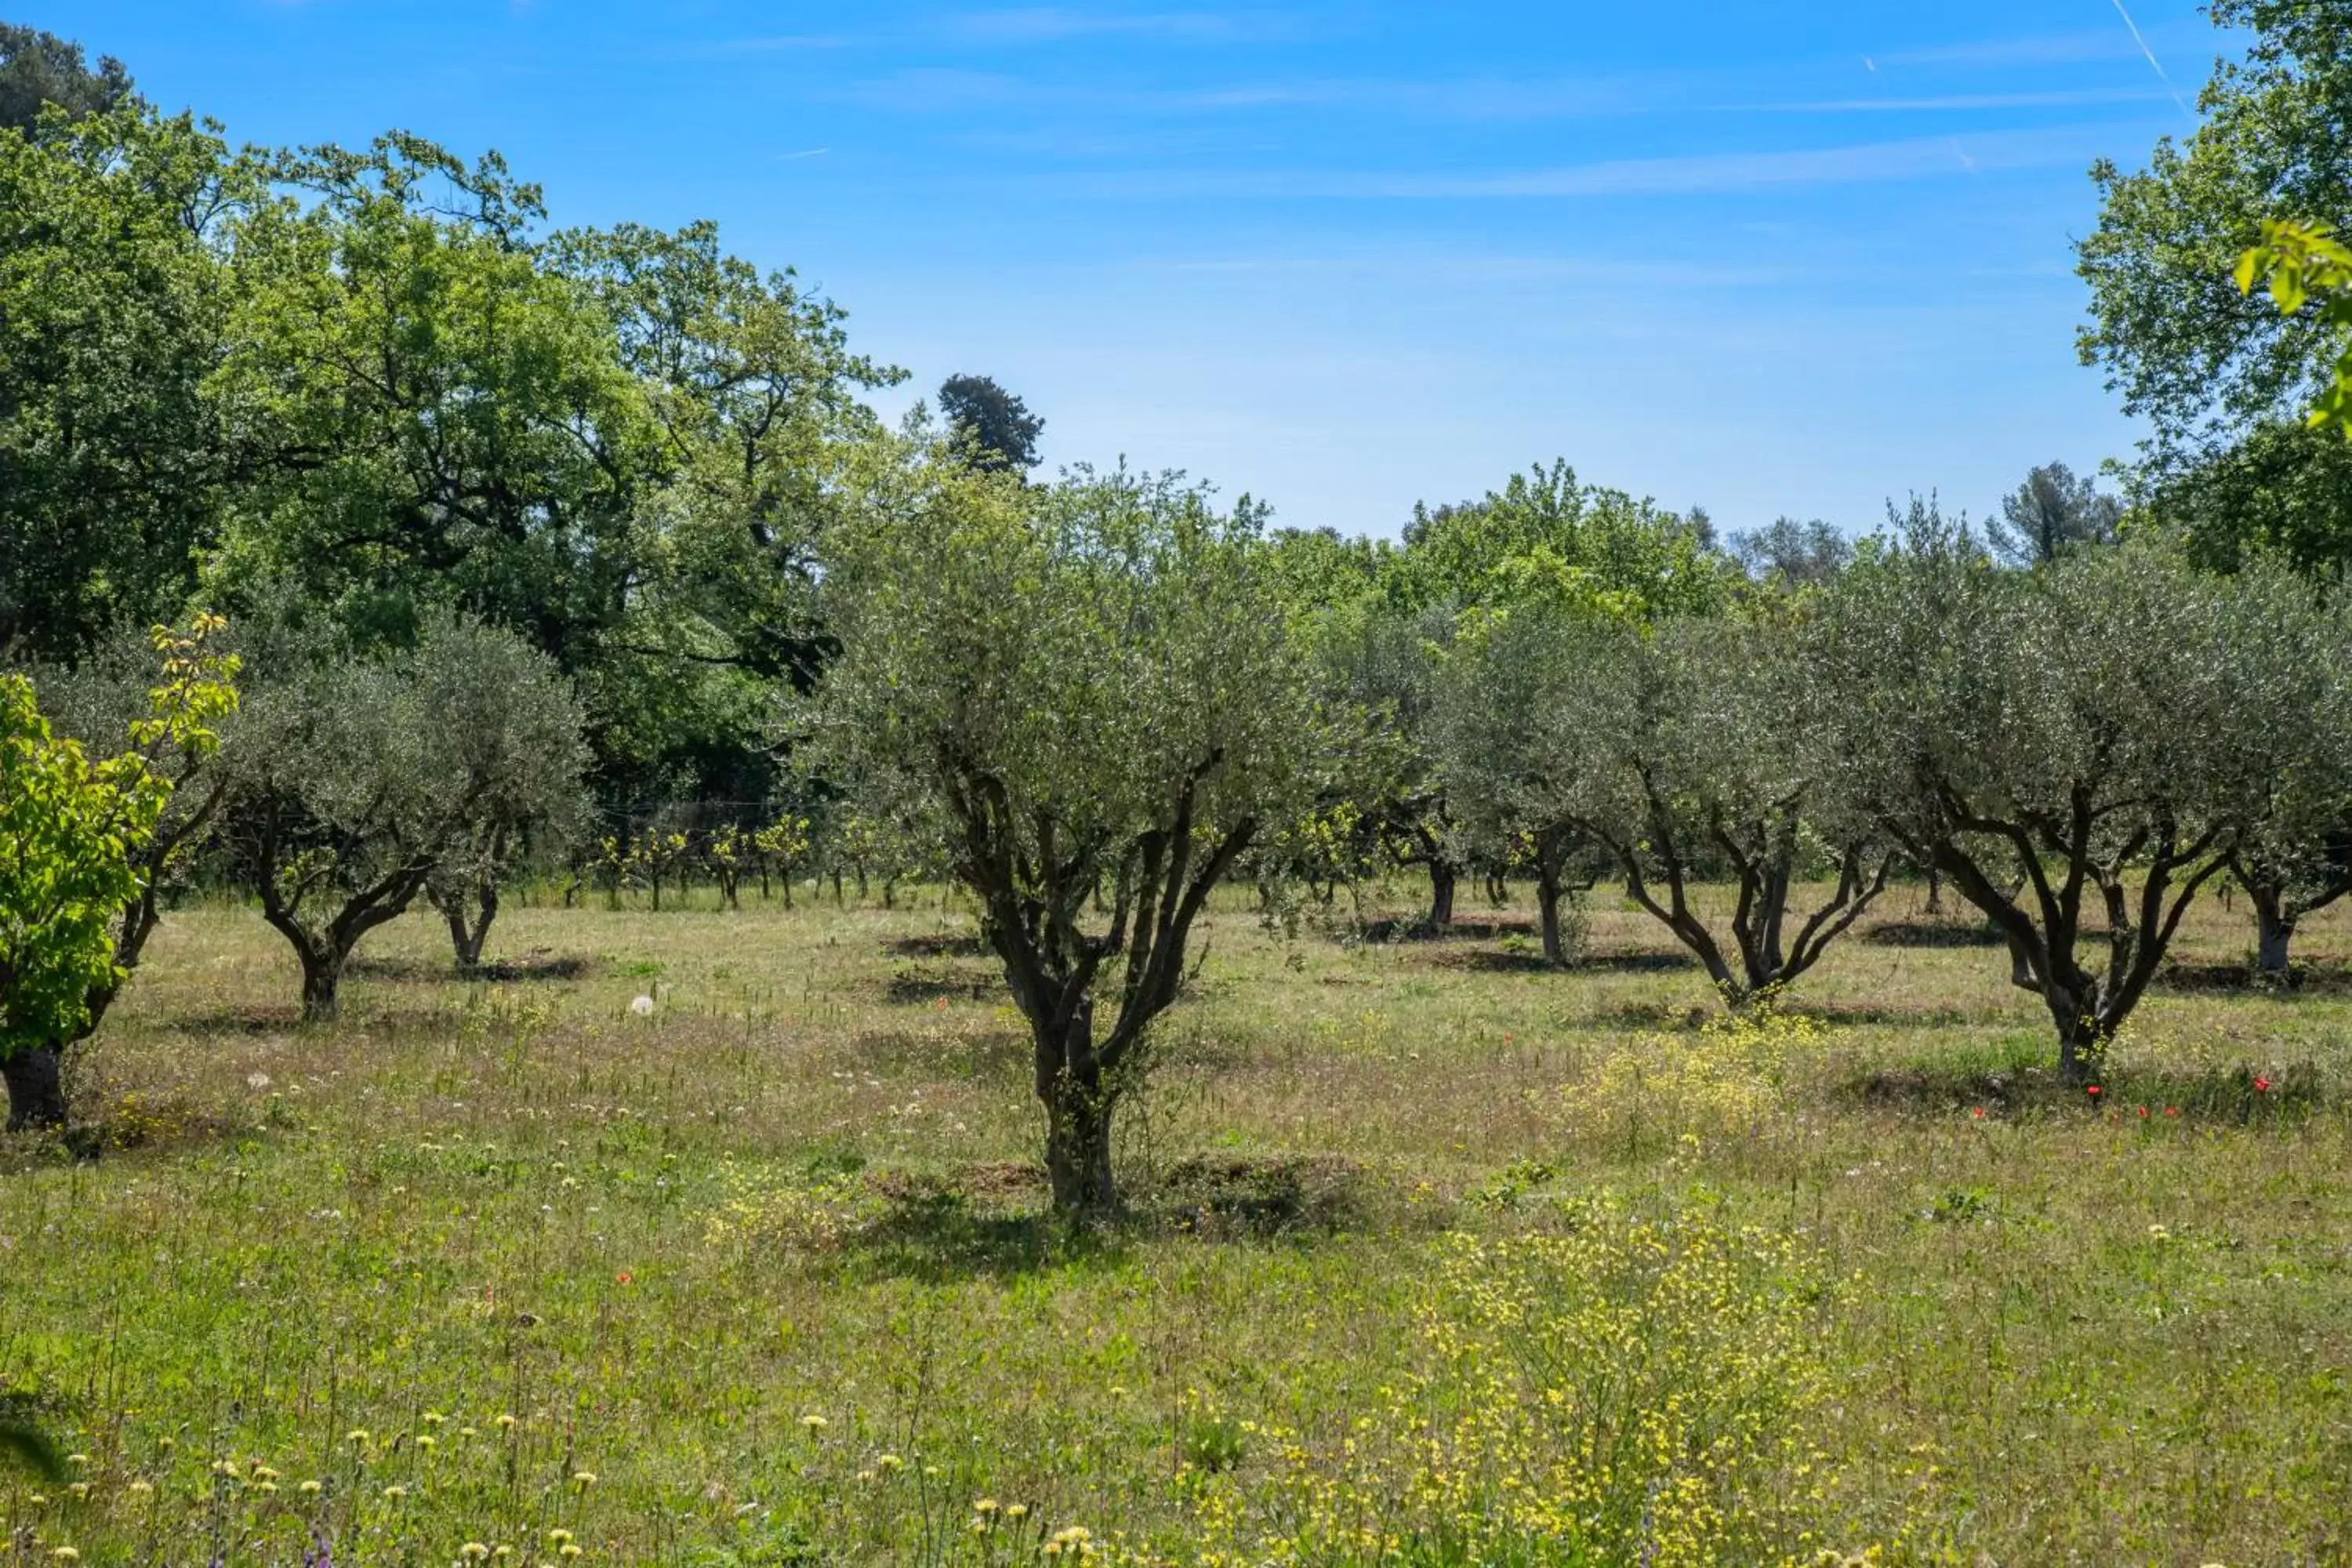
<point x="502" y="1269"/>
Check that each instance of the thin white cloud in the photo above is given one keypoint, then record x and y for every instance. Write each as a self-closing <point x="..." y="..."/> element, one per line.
<point x="1956" y="103"/>
<point x="1722" y="174"/>
<point x="2058" y="49"/>
<point x="1058" y="24"/>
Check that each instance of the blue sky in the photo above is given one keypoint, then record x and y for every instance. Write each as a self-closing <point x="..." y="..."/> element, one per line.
<point x="1766" y="257"/>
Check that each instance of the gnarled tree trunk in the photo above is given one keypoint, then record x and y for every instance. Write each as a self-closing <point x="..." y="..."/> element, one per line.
<point x="1442" y="878"/>
<point x="469" y="927"/>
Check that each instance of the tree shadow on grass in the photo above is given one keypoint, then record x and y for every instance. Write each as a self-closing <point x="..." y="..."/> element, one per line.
<point x="913" y="986"/>
<point x="1415" y="928"/>
<point x="540" y="963"/>
<point x="937" y="944"/>
<point x="237" y="1020"/>
<point x="1932" y="933"/>
<point x="997" y="1221"/>
<point x="2313" y="979"/>
<point x="2240" y="1095"/>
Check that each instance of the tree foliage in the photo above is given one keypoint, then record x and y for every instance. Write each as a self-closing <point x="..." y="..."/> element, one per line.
<point x="2090" y="743"/>
<point x="70" y="828"/>
<point x="357" y="778"/>
<point x="118" y="453"/>
<point x="1088" y="685"/>
<point x="2186" y="347"/>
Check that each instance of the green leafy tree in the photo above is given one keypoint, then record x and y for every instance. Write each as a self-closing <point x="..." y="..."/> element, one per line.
<point x="753" y="397"/>
<point x="993" y="429"/>
<point x="2185" y="345"/>
<point x="2305" y="264"/>
<point x="2094" y="741"/>
<point x="2283" y="489"/>
<point x="38" y="69"/>
<point x="118" y="453"/>
<point x="1085" y="684"/>
<point x="355" y="779"/>
<point x="72" y="828"/>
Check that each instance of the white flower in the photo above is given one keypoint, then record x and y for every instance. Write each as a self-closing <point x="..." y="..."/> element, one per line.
<point x="257" y="1080"/>
<point x="642" y="1006"/>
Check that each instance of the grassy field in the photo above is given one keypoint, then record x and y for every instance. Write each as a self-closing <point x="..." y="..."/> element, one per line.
<point x="1435" y="1254"/>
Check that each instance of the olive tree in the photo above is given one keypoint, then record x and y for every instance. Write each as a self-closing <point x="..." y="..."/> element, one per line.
<point x="1680" y="750"/>
<point x="1085" y="684"/>
<point x="2091" y="741"/>
<point x="523" y="740"/>
<point x="355" y="781"/>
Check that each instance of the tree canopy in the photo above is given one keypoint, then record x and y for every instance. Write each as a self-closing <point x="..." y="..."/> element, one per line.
<point x="1088" y="687"/>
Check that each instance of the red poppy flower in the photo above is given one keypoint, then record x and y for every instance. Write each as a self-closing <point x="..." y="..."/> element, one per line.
<point x="2093" y="1091"/>
<point x="1978" y="1112"/>
<point x="2263" y="1084"/>
<point x="625" y="1277"/>
<point x="2172" y="1110"/>
<point x="2143" y="1111"/>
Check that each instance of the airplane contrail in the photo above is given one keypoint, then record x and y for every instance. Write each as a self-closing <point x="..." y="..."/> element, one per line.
<point x="2154" y="64"/>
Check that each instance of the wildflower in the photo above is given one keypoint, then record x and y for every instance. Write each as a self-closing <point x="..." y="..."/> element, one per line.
<point x="2261" y="1086"/>
<point x="625" y="1277"/>
<point x="77" y="1458"/>
<point x="473" y="1551"/>
<point x="2093" y="1091"/>
<point x="891" y="1462"/>
<point x="2143" y="1111"/>
<point x="257" y="1080"/>
<point x="394" y="1493"/>
<point x="560" y="1537"/>
<point x="141" y="1487"/>
<point x="358" y="1438"/>
<point x="986" y="1505"/>
<point x="428" y="1442"/>
<point x="467" y="1432"/>
<point x="64" y="1555"/>
<point x="1978" y="1112"/>
<point x="2172" y="1110"/>
<point x="814" y="1423"/>
<point x="504" y="1423"/>
<point x="309" y="1489"/>
<point x="2158" y="1232"/>
<point x="569" y="1549"/>
<point x="262" y="1472"/>
<point x="1018" y="1511"/>
<point x="434" y="1418"/>
<point x="583" y="1479"/>
<point x="643" y="1007"/>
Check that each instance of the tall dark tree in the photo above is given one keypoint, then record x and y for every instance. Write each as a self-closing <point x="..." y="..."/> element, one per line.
<point x="2052" y="512"/>
<point x="38" y="68"/>
<point x="996" y="426"/>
